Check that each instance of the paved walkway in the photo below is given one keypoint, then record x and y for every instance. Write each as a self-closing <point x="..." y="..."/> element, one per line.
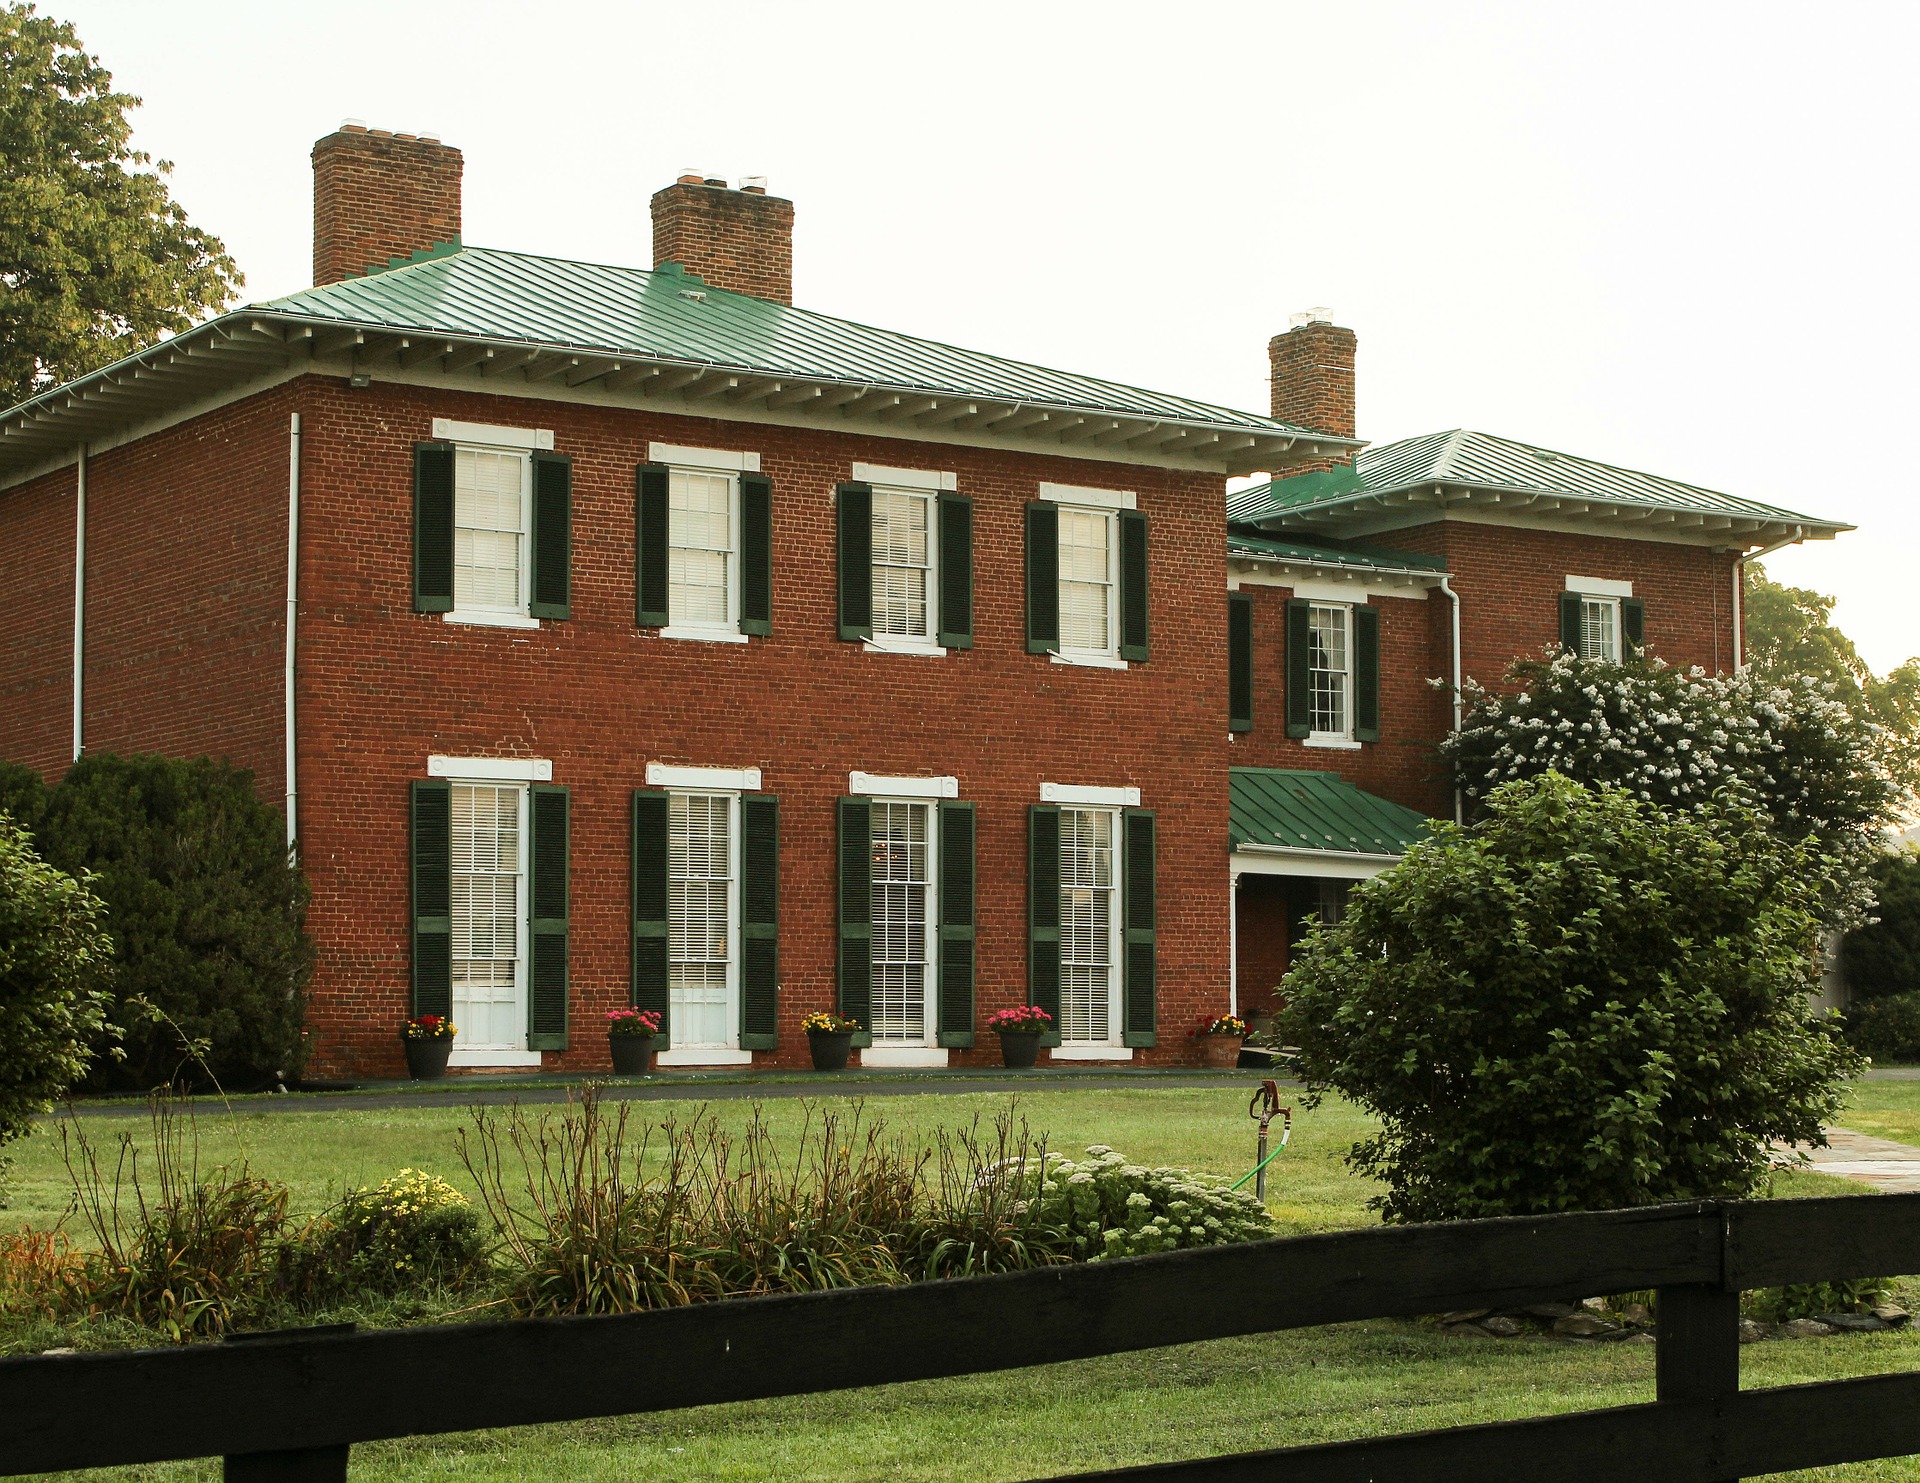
<point x="1880" y="1162"/>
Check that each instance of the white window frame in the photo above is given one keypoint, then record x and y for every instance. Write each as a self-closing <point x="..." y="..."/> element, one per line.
<point x="1108" y="657"/>
<point x="1112" y="1048"/>
<point x="1342" y="738"/>
<point x="729" y="1054"/>
<point x="1609" y="607"/>
<point x="928" y="642"/>
<point x="473" y="437"/>
<point x="708" y="462"/>
<point x="473" y="776"/>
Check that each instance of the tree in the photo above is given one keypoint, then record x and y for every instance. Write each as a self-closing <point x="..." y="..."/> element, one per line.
<point x="208" y="916"/>
<point x="23" y="795"/>
<point x="96" y="260"/>
<point x="1581" y="1002"/>
<point x="1882" y="958"/>
<point x="54" y="959"/>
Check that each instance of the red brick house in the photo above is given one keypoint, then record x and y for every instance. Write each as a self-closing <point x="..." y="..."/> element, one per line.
<point x="617" y="636"/>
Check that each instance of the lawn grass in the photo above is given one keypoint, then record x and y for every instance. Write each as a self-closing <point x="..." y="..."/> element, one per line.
<point x="1230" y="1395"/>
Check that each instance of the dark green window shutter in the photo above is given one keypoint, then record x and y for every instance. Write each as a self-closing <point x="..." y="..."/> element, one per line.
<point x="853" y="514"/>
<point x="856" y="915"/>
<point x="759" y="921"/>
<point x="432" y="898"/>
<point x="650" y="545"/>
<point x="1239" y="662"/>
<point x="1141" y="918"/>
<point x="1633" y="624"/>
<point x="1570" y="621"/>
<point x="756" y="554"/>
<point x="433" y="527"/>
<point x="547" y="937"/>
<point x="1043" y="913"/>
<point x="1043" y="577"/>
<point x="956" y="572"/>
<point x="1366" y="673"/>
<point x="956" y="967"/>
<point x="650" y="980"/>
<point x="1133" y="586"/>
<point x="1299" y="667"/>
<point x="552" y="536"/>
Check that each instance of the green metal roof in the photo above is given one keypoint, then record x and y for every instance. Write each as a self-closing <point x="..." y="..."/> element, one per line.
<point x="1349" y="558"/>
<point x="1283" y="808"/>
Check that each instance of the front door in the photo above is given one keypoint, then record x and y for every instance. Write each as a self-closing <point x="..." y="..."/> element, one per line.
<point x="489" y="931"/>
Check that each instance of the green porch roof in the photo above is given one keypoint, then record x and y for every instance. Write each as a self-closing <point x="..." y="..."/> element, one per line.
<point x="1356" y="558"/>
<point x="1283" y="808"/>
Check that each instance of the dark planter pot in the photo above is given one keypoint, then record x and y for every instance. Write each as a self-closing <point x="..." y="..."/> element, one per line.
<point x="830" y="1052"/>
<point x="427" y="1059"/>
<point x="1019" y="1049"/>
<point x="632" y="1054"/>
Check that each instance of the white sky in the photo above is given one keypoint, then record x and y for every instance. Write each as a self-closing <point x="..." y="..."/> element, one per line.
<point x="1673" y="236"/>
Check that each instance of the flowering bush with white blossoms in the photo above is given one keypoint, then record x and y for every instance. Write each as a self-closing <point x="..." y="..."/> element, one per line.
<point x="1682" y="739"/>
<point x="1105" y="1206"/>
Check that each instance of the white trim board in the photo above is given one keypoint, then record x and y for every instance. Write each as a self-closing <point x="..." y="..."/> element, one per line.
<point x="903" y="1055"/>
<point x="878" y="785"/>
<point x="1075" y="793"/>
<point x="1338" y="865"/>
<point x="1077" y="494"/>
<point x="1083" y="1052"/>
<point x="1354" y="589"/>
<point x="1599" y="586"/>
<point x="486" y="433"/>
<point x="879" y="473"/>
<point x="724" y="459"/>
<point x="484" y="1057"/>
<point x="491" y="769"/>
<point x="704" y="1055"/>
<point x="718" y="779"/>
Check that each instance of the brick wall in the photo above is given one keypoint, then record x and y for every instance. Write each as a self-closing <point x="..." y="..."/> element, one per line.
<point x="740" y="240"/>
<point x="36" y="622"/>
<point x="377" y="196"/>
<point x="1312" y="376"/>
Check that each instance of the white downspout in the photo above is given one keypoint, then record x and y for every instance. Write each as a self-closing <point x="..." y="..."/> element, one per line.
<point x="79" y="601"/>
<point x="1233" y="939"/>
<point x="1739" y="593"/>
<point x="293" y="608"/>
<point x="1459" y="804"/>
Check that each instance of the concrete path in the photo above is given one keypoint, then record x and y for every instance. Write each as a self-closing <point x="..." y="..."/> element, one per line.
<point x="1880" y="1162"/>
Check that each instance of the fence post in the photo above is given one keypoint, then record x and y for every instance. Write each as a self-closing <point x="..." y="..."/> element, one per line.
<point x="302" y="1465"/>
<point x="1697" y="1358"/>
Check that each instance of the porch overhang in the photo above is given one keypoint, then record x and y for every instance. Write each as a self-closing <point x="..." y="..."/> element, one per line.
<point x="1287" y="821"/>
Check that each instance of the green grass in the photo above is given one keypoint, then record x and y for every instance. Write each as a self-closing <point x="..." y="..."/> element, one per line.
<point x="1233" y="1395"/>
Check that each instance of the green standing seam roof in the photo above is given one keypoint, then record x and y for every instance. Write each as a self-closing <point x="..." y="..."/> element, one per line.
<point x="1296" y="810"/>
<point x="1357" y="558"/>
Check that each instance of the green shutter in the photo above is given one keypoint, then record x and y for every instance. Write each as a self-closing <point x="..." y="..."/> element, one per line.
<point x="756" y="554"/>
<point x="433" y="527"/>
<point x="1239" y="662"/>
<point x="1366" y="673"/>
<point x="547" y="935"/>
<point x="650" y="545"/>
<point x="759" y="921"/>
<point x="1141" y="916"/>
<point x="1633" y="624"/>
<point x="853" y="516"/>
<point x="956" y="967"/>
<point x="432" y="873"/>
<point x="649" y="987"/>
<point x="1570" y="622"/>
<point x="1133" y="586"/>
<point x="956" y="572"/>
<point x="1043" y="913"/>
<point x="552" y="536"/>
<point x="856" y="915"/>
<point x="1043" y="577"/>
<point x="1299" y="667"/>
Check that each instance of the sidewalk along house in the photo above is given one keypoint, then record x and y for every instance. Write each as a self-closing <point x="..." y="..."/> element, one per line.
<point x="1353" y="586"/>
<point x="617" y="635"/>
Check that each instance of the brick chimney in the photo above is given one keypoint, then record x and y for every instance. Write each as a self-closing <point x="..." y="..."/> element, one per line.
<point x="737" y="239"/>
<point x="379" y="195"/>
<point x="1312" y="367"/>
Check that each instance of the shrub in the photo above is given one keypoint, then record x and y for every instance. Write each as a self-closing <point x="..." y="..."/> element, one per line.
<point x="1887" y="1030"/>
<point x="413" y="1230"/>
<point x="1883" y="957"/>
<point x="23" y="795"/>
<point x="1580" y="1003"/>
<point x="1107" y="1207"/>
<point x="1811" y="1299"/>
<point x="207" y="916"/>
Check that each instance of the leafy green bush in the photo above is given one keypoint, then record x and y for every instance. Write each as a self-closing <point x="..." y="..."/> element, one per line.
<point x="1581" y="1002"/>
<point x="1887" y="1030"/>
<point x="413" y="1230"/>
<point x="23" y="795"/>
<point x="1811" y="1299"/>
<point x="1107" y="1207"/>
<point x="1883" y="957"/>
<point x="207" y="913"/>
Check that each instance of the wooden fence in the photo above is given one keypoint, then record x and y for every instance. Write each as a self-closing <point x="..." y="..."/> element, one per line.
<point x="291" y="1406"/>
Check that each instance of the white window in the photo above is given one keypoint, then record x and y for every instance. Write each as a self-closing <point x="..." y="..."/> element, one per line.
<point x="489" y="948"/>
<point x="703" y="540"/>
<point x="701" y="868"/>
<point x="903" y="557"/>
<point x="1089" y="582"/>
<point x="492" y="496"/>
<point x="1600" y="628"/>
<point x="902" y="952"/>
<point x="1089" y="926"/>
<point x="1330" y="670"/>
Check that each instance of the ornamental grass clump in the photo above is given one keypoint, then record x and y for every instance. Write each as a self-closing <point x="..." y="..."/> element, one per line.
<point x="1105" y="1206"/>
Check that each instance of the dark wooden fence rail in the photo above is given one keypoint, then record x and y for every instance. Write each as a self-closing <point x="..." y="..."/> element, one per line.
<point x="291" y="1407"/>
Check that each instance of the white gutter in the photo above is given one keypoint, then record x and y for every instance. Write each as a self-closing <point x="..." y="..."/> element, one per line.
<point x="293" y="608"/>
<point x="79" y="599"/>
<point x="1233" y="943"/>
<point x="1739" y="593"/>
<point x="1459" y="803"/>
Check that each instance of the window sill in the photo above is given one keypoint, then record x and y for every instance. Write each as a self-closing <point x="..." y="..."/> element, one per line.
<point x="1084" y="1052"/>
<point x="481" y="1056"/>
<point x="903" y="646"/>
<point x="1089" y="661"/>
<point x="704" y="1055"/>
<point x="492" y="620"/>
<point x="903" y="1055"/>
<point x="1334" y="743"/>
<point x="705" y="635"/>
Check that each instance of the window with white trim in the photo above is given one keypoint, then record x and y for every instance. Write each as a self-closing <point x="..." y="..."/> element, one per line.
<point x="1089" y="926"/>
<point x="489" y="863"/>
<point x="492" y="499"/>
<point x="1600" y="628"/>
<point x="1330" y="670"/>
<point x="703" y="541"/>
<point x="1089" y="581"/>
<point x="701" y="868"/>
<point x="903" y="561"/>
<point x="903" y="925"/>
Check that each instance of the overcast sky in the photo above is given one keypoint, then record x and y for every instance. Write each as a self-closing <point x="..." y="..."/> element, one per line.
<point x="1672" y="236"/>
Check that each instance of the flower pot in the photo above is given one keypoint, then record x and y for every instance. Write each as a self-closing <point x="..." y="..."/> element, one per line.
<point x="1220" y="1050"/>
<point x="632" y="1054"/>
<point x="1019" y="1048"/>
<point x="830" y="1050"/>
<point x="427" y="1059"/>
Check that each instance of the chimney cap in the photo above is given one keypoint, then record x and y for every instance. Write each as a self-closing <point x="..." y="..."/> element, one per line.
<point x="353" y="125"/>
<point x="755" y="184"/>
<point x="1319" y="314"/>
<point x="690" y="175"/>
